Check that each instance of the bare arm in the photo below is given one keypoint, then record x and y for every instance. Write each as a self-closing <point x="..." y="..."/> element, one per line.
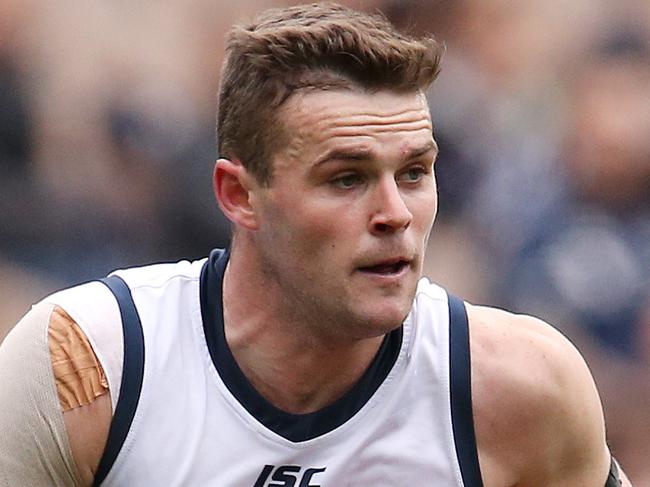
<point x="82" y="391"/>
<point x="538" y="416"/>
<point x="87" y="428"/>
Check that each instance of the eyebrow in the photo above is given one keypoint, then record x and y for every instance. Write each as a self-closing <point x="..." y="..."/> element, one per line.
<point x="361" y="154"/>
<point x="420" y="151"/>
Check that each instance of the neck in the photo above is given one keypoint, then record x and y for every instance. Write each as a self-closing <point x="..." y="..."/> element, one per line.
<point x="289" y="361"/>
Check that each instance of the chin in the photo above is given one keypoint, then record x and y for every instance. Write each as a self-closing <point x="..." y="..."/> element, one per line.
<point x="382" y="320"/>
<point x="385" y="313"/>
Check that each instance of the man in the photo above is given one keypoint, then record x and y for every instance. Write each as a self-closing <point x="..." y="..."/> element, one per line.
<point x="309" y="353"/>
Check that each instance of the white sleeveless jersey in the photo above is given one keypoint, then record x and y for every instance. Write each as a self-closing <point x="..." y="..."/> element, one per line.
<point x="185" y="414"/>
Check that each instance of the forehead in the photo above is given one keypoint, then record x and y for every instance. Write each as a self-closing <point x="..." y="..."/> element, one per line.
<point x="318" y="120"/>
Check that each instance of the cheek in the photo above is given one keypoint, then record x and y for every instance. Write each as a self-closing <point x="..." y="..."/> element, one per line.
<point x="424" y="209"/>
<point x="310" y="231"/>
<point x="324" y="217"/>
<point x="326" y="235"/>
<point x="317" y="225"/>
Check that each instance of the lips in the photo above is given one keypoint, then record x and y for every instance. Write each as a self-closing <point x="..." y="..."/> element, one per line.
<point x="387" y="267"/>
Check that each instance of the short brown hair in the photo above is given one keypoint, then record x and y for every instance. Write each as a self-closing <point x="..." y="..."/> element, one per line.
<point x="317" y="46"/>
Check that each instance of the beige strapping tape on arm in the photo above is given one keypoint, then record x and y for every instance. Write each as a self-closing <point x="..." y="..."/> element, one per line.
<point x="34" y="448"/>
<point x="78" y="376"/>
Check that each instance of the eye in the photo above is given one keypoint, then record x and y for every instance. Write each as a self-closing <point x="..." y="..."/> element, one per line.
<point x="413" y="174"/>
<point x="346" y="181"/>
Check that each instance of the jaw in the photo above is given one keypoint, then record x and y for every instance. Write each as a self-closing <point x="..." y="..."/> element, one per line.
<point x="383" y="303"/>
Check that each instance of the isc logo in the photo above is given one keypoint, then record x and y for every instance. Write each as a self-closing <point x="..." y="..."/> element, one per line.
<point x="287" y="476"/>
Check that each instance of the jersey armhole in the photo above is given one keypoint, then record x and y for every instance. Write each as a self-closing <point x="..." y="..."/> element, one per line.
<point x="461" y="394"/>
<point x="132" y="376"/>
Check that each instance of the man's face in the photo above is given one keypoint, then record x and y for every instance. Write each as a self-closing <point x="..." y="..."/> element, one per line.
<point x="345" y="220"/>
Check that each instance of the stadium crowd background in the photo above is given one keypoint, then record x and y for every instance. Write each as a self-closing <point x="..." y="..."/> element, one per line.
<point x="542" y="113"/>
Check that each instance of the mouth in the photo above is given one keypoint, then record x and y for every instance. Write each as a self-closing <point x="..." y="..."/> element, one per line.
<point x="390" y="267"/>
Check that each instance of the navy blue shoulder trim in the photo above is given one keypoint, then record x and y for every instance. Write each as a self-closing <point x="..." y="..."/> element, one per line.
<point x="132" y="375"/>
<point x="461" y="394"/>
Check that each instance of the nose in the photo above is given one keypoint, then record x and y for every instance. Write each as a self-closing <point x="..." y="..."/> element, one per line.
<point x="390" y="213"/>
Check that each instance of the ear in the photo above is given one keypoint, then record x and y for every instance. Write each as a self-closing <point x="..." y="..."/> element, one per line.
<point x="233" y="188"/>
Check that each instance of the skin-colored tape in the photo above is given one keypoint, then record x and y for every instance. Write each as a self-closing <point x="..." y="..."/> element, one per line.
<point x="78" y="375"/>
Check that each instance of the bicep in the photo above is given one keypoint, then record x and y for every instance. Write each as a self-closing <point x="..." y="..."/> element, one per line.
<point x="82" y="390"/>
<point x="577" y="453"/>
<point x="87" y="427"/>
<point x="537" y="410"/>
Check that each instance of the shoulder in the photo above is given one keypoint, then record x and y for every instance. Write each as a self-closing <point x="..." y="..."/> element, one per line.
<point x="162" y="274"/>
<point x="55" y="415"/>
<point x="537" y="412"/>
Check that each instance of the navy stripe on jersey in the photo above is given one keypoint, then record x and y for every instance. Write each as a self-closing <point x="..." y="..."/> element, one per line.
<point x="132" y="376"/>
<point x="293" y="427"/>
<point x="460" y="376"/>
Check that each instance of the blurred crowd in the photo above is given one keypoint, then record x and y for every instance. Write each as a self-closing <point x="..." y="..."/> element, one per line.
<point x="542" y="114"/>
